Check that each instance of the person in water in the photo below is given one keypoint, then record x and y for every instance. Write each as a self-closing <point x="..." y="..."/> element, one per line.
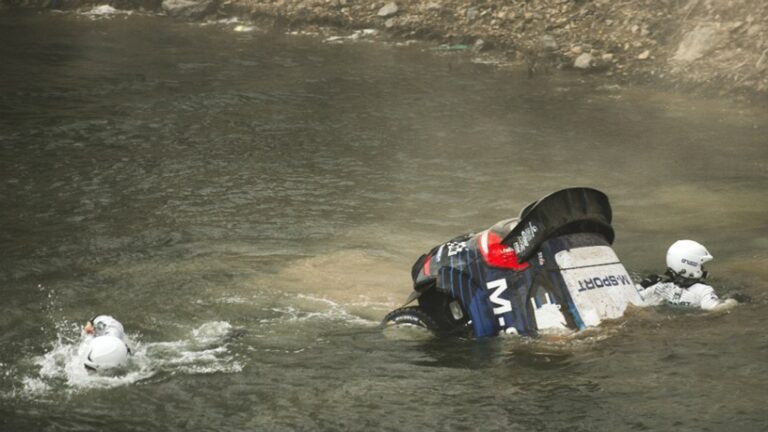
<point x="683" y="283"/>
<point x="107" y="346"/>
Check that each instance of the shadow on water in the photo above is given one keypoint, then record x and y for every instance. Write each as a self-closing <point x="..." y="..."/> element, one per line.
<point x="488" y="353"/>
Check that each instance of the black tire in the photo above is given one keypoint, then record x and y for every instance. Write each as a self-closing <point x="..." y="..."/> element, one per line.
<point x="436" y="305"/>
<point x="411" y="315"/>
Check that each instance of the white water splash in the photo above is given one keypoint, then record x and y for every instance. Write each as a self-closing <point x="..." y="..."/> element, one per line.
<point x="313" y="308"/>
<point x="104" y="11"/>
<point x="237" y="25"/>
<point x="224" y="21"/>
<point x="205" y="350"/>
<point x="243" y="29"/>
<point x="407" y="332"/>
<point x="356" y="35"/>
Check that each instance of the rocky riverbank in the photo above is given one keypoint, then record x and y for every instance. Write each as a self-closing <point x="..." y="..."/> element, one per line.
<point x="716" y="47"/>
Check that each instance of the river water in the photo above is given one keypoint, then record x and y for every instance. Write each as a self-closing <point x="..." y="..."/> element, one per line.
<point x="249" y="204"/>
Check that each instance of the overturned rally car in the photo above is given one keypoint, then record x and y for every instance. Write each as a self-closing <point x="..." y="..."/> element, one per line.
<point x="552" y="269"/>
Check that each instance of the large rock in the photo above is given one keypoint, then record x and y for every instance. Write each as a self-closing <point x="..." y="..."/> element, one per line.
<point x="388" y="10"/>
<point x="472" y="13"/>
<point x="584" y="61"/>
<point x="696" y="43"/>
<point x="548" y="42"/>
<point x="189" y="9"/>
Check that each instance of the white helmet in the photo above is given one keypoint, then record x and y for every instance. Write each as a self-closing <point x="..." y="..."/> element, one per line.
<point x="106" y="352"/>
<point x="686" y="258"/>
<point x="101" y="325"/>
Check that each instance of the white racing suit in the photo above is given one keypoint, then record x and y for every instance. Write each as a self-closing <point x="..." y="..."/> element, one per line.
<point x="696" y="295"/>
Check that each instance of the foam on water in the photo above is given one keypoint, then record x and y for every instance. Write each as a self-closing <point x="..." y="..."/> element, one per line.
<point x="104" y="11"/>
<point x="236" y="24"/>
<point x="407" y="332"/>
<point x="313" y="308"/>
<point x="61" y="370"/>
<point x="355" y="36"/>
<point x="243" y="28"/>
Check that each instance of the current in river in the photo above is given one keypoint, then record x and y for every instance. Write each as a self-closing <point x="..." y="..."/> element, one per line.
<point x="249" y="204"/>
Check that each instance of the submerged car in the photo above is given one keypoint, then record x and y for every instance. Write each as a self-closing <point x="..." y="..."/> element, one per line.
<point x="552" y="269"/>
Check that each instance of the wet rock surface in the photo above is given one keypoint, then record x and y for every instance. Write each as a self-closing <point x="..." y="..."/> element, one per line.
<point x="188" y="9"/>
<point x="717" y="47"/>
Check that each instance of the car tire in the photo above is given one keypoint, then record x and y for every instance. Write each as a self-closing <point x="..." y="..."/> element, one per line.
<point x="410" y="316"/>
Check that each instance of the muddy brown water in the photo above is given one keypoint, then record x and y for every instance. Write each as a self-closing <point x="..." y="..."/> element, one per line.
<point x="249" y="205"/>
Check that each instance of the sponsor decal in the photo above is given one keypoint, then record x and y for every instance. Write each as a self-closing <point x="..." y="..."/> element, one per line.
<point x="525" y="238"/>
<point x="603" y="282"/>
<point x="689" y="262"/>
<point x="454" y="247"/>
<point x="439" y="253"/>
<point x="501" y="305"/>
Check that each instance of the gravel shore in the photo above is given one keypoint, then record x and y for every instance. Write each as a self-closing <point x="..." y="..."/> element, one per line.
<point x="713" y="47"/>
